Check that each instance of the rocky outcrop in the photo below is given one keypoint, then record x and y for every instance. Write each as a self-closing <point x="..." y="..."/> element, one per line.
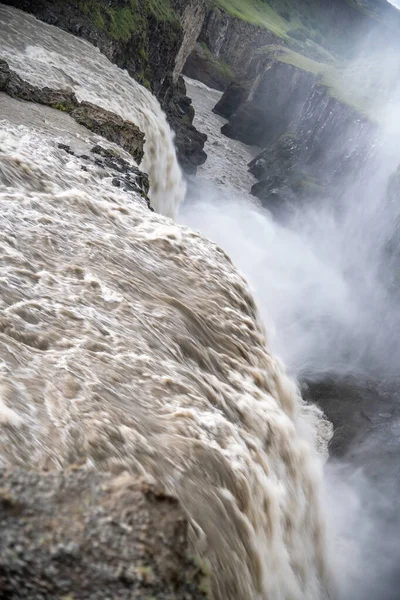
<point x="192" y="19"/>
<point x="150" y="40"/>
<point x="227" y="49"/>
<point x="203" y="66"/>
<point x="103" y="122"/>
<point x="359" y="409"/>
<point x="234" y="40"/>
<point x="310" y="138"/>
<point x="319" y="141"/>
<point x="180" y="112"/>
<point x="86" y="535"/>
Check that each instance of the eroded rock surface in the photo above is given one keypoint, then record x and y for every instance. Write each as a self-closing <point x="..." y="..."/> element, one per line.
<point x="84" y="535"/>
<point x="100" y="121"/>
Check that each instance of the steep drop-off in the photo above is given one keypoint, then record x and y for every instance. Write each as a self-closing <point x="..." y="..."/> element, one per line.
<point x="151" y="40"/>
<point x="131" y="343"/>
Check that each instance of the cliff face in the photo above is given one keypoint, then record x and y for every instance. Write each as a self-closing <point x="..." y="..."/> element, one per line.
<point x="150" y="40"/>
<point x="227" y="48"/>
<point x="233" y="32"/>
<point x="322" y="146"/>
<point x="233" y="40"/>
<point x="286" y="60"/>
<point x="309" y="137"/>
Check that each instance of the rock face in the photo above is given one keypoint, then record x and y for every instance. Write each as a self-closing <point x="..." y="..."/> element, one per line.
<point x="100" y="121"/>
<point x="234" y="40"/>
<point x="317" y="141"/>
<point x="192" y="19"/>
<point x="152" y="45"/>
<point x="228" y="48"/>
<point x="85" y="535"/>
<point x="359" y="409"/>
<point x="180" y="112"/>
<point x="203" y="66"/>
<point x="268" y="109"/>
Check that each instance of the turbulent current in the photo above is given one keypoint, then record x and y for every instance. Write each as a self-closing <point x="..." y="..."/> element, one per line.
<point x="128" y="342"/>
<point x="62" y="61"/>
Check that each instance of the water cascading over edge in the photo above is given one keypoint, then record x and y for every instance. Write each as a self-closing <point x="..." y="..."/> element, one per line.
<point x="131" y="343"/>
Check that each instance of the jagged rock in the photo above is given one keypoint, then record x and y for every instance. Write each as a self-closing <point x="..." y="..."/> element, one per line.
<point x="89" y="536"/>
<point x="234" y="96"/>
<point x="103" y="122"/>
<point x="202" y="65"/>
<point x="127" y="177"/>
<point x="284" y="176"/>
<point x="189" y="141"/>
<point x="110" y="126"/>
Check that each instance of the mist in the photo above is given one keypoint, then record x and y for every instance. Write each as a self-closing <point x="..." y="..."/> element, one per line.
<point x="325" y="273"/>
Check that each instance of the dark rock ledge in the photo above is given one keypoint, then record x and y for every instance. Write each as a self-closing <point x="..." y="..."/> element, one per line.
<point x="102" y="122"/>
<point x="82" y="535"/>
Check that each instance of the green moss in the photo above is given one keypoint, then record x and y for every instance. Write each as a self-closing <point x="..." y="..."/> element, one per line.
<point x="220" y="64"/>
<point x="256" y="12"/>
<point x="143" y="54"/>
<point x="335" y="76"/>
<point x="63" y="107"/>
<point x="124" y="21"/>
<point x="142" y="79"/>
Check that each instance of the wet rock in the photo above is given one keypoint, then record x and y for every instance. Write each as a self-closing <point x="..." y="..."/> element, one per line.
<point x="110" y="126"/>
<point x="102" y="122"/>
<point x="66" y="149"/>
<point x="189" y="141"/>
<point x="203" y="66"/>
<point x="125" y="176"/>
<point x="360" y="410"/>
<point x="233" y="97"/>
<point x="131" y="178"/>
<point x="89" y="536"/>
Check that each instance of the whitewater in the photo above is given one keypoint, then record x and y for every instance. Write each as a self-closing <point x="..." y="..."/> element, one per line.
<point x="130" y="342"/>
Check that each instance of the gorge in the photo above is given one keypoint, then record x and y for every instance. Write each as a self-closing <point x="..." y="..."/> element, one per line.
<point x="138" y="374"/>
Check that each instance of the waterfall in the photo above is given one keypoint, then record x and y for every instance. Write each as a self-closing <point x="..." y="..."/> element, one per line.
<point x="129" y="342"/>
<point x="63" y="61"/>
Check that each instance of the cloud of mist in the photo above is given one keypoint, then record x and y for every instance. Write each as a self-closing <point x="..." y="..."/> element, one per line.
<point x="327" y="283"/>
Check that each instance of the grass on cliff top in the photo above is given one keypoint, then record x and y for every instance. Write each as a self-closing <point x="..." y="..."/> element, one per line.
<point x="335" y="77"/>
<point x="122" y="22"/>
<point x="256" y="12"/>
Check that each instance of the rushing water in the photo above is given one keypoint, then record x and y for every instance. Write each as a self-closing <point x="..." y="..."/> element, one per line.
<point x="326" y="282"/>
<point x="130" y="342"/>
<point x="63" y="61"/>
